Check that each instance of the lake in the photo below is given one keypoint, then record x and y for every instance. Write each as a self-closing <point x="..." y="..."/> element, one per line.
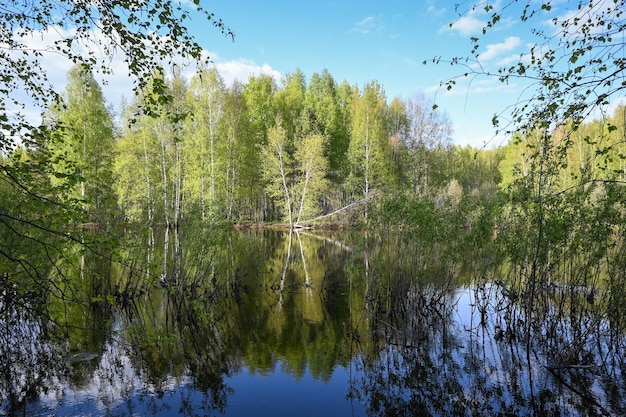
<point x="309" y="323"/>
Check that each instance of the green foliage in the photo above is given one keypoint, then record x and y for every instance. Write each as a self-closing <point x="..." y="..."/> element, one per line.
<point x="147" y="34"/>
<point x="238" y="187"/>
<point x="558" y="163"/>
<point x="295" y="173"/>
<point x="55" y="177"/>
<point x="563" y="220"/>
<point x="311" y="183"/>
<point x="428" y="131"/>
<point x="278" y="169"/>
<point x="136" y="173"/>
<point x="221" y="163"/>
<point x="217" y="153"/>
<point x="260" y="94"/>
<point x="324" y="114"/>
<point x="576" y="64"/>
<point x="476" y="171"/>
<point x="289" y="101"/>
<point x="82" y="146"/>
<point x="200" y="147"/>
<point x="369" y="152"/>
<point x="44" y="240"/>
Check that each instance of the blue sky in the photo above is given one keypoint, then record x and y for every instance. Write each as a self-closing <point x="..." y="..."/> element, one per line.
<point x="362" y="41"/>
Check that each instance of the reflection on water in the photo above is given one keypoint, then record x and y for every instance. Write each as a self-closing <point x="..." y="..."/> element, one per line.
<point x="286" y="323"/>
<point x="459" y="357"/>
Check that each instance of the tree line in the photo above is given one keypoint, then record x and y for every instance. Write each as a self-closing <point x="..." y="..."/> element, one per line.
<point x="288" y="150"/>
<point x="268" y="150"/>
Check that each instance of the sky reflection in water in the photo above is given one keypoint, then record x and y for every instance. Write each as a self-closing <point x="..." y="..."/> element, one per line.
<point x="354" y="340"/>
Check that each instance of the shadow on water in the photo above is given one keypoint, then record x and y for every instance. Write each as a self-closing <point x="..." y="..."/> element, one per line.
<point x="282" y="323"/>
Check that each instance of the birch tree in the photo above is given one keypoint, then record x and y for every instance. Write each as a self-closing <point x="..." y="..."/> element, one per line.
<point x="241" y="189"/>
<point x="311" y="182"/>
<point x="277" y="170"/>
<point x="369" y="154"/>
<point x="323" y="114"/>
<point x="207" y="91"/>
<point x="147" y="35"/>
<point x="428" y="129"/>
<point x="295" y="180"/>
<point x="84" y="144"/>
<point x="155" y="144"/>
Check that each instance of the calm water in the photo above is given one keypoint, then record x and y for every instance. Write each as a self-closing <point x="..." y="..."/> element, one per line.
<point x="280" y="324"/>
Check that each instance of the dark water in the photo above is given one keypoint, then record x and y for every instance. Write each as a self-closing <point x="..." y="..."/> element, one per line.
<point x="280" y="324"/>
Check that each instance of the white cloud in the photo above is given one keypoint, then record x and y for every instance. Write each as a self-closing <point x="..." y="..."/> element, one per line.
<point x="242" y="69"/>
<point x="43" y="41"/>
<point x="600" y="10"/>
<point x="118" y="83"/>
<point x="55" y="66"/>
<point x="473" y="20"/>
<point x="495" y="49"/>
<point x="434" y="11"/>
<point x="607" y="110"/>
<point x="367" y="26"/>
<point x="466" y="26"/>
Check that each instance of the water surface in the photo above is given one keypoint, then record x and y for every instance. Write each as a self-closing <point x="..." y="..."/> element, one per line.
<point x="277" y="324"/>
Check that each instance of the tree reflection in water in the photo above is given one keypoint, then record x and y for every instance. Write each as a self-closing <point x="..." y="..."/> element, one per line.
<point x="237" y="311"/>
<point x="29" y="365"/>
<point x="467" y="351"/>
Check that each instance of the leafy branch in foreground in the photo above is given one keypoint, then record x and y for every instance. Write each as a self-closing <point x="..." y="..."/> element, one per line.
<point x="565" y="172"/>
<point x="40" y="211"/>
<point x="148" y="34"/>
<point x="575" y="65"/>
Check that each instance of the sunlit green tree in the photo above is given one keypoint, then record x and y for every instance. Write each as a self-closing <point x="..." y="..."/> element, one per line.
<point x="311" y="182"/>
<point x="83" y="146"/>
<point x="369" y="153"/>
<point x="206" y="92"/>
<point x="260" y="93"/>
<point x="295" y="179"/>
<point x="155" y="143"/>
<point x="289" y="101"/>
<point x="239" y="164"/>
<point x="278" y="170"/>
<point x="146" y="34"/>
<point x="323" y="115"/>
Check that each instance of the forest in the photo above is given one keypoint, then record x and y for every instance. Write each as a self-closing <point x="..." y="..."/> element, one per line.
<point x="307" y="224"/>
<point x="302" y="152"/>
<point x="265" y="151"/>
<point x="291" y="151"/>
<point x="305" y="150"/>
